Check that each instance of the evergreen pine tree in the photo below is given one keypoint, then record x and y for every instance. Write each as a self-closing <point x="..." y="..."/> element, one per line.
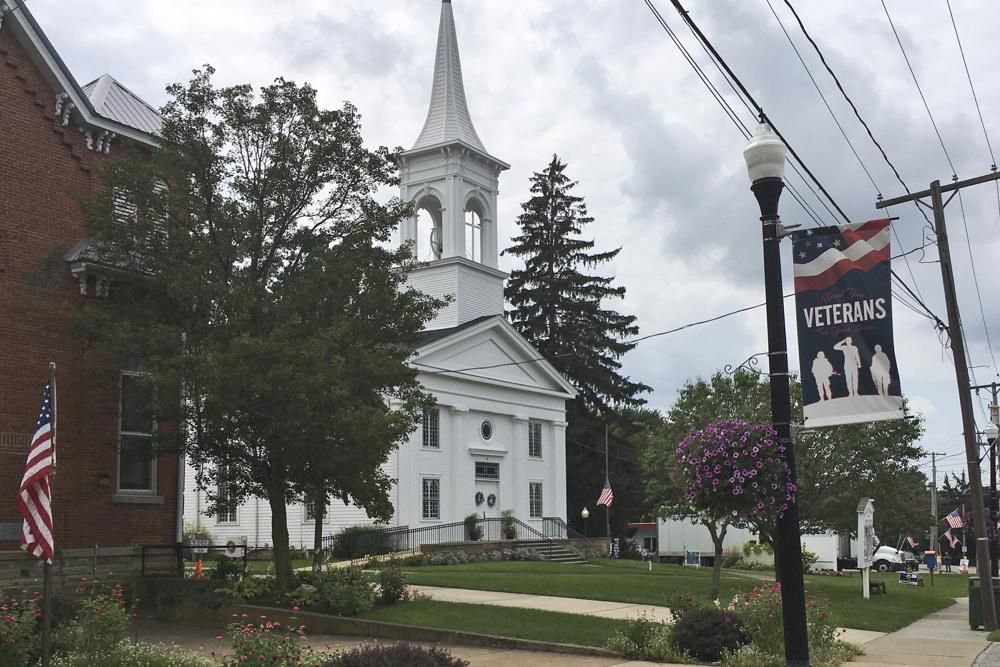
<point x="562" y="310"/>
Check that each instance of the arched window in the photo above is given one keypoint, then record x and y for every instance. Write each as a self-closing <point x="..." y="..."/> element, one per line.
<point x="429" y="238"/>
<point x="474" y="230"/>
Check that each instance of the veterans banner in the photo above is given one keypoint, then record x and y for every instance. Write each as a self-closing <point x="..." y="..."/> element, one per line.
<point x="843" y="307"/>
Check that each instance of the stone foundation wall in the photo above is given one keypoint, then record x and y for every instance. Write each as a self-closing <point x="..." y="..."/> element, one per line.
<point x="18" y="570"/>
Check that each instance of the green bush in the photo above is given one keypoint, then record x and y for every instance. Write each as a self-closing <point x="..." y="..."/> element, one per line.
<point x="415" y="560"/>
<point x="131" y="654"/>
<point x="270" y="643"/>
<point x="361" y="540"/>
<point x="397" y="655"/>
<point x="303" y="596"/>
<point x="345" y="591"/>
<point x="681" y="601"/>
<point x="227" y="569"/>
<point x="472" y="529"/>
<point x="392" y="584"/>
<point x="248" y="589"/>
<point x="101" y="623"/>
<point x="645" y="639"/>
<point x="808" y="560"/>
<point x="706" y="633"/>
<point x="730" y="560"/>
<point x="507" y="526"/>
<point x="18" y="622"/>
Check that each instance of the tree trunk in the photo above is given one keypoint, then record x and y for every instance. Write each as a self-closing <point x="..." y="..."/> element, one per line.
<point x="777" y="563"/>
<point x="318" y="515"/>
<point x="718" y="535"/>
<point x="279" y="525"/>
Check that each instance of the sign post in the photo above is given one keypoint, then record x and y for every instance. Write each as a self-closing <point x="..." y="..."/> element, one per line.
<point x="866" y="542"/>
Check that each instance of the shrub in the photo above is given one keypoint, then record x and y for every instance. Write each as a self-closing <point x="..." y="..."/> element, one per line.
<point x="227" y="569"/>
<point x="706" y="633"/>
<point x="472" y="530"/>
<point x="645" y="639"/>
<point x="731" y="560"/>
<point x="269" y="643"/>
<point x="345" y="591"/>
<point x="18" y="620"/>
<point x="248" y="589"/>
<point x="680" y="602"/>
<point x="303" y="596"/>
<point x="392" y="584"/>
<point x="397" y="655"/>
<point x="507" y="527"/>
<point x="132" y="654"/>
<point x="101" y="623"/>
<point x="360" y="540"/>
<point x="808" y="560"/>
<point x="415" y="560"/>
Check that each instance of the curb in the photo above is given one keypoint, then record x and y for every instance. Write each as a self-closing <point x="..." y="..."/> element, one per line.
<point x="317" y="623"/>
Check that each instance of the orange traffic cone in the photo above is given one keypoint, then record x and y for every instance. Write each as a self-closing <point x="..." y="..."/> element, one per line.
<point x="197" y="569"/>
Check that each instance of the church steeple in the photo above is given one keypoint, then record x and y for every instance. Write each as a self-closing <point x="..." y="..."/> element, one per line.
<point x="448" y="117"/>
<point x="453" y="184"/>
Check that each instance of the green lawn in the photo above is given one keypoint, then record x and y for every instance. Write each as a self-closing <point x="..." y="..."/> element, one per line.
<point x="629" y="581"/>
<point x="503" y="621"/>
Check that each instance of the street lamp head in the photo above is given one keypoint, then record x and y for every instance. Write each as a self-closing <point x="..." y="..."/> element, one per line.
<point x="992" y="431"/>
<point x="585" y="513"/>
<point x="765" y="154"/>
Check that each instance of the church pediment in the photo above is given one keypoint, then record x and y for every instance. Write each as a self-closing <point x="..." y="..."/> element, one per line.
<point x="493" y="352"/>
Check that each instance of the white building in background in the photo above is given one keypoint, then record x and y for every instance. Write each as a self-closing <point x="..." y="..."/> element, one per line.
<point x="497" y="438"/>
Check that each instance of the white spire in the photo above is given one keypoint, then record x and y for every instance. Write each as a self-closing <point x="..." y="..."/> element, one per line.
<point x="448" y="118"/>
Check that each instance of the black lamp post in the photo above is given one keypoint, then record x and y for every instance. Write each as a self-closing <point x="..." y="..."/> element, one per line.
<point x="765" y="157"/>
<point x="992" y="432"/>
<point x="585" y="514"/>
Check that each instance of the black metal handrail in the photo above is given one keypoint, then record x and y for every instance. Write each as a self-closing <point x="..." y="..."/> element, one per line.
<point x="556" y="528"/>
<point x="399" y="539"/>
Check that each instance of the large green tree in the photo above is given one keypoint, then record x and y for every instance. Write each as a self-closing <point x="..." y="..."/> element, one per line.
<point x="260" y="280"/>
<point x="562" y="307"/>
<point x="835" y="466"/>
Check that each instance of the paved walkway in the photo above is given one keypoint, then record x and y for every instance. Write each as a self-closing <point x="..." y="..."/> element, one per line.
<point x="203" y="641"/>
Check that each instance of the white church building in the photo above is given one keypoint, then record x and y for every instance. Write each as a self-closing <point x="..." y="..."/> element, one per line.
<point x="496" y="439"/>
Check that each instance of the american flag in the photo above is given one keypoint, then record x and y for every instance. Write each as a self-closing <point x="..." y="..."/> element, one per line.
<point x="607" y="495"/>
<point x="34" y="498"/>
<point x="954" y="520"/>
<point x="829" y="253"/>
<point x="952" y="540"/>
<point x="912" y="542"/>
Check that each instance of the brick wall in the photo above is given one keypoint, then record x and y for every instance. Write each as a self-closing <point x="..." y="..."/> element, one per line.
<point x="45" y="170"/>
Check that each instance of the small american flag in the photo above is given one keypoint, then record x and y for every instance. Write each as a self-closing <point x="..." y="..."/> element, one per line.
<point x="954" y="520"/>
<point x="912" y="542"/>
<point x="607" y="495"/>
<point x="952" y="540"/>
<point x="34" y="498"/>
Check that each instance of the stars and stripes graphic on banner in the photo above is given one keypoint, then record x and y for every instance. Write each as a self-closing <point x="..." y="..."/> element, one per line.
<point x="34" y="499"/>
<point x="607" y="495"/>
<point x="830" y="255"/>
<point x="954" y="519"/>
<point x="952" y="540"/>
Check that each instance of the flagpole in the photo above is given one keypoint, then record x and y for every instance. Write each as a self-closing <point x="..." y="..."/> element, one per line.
<point x="47" y="566"/>
<point x="607" y="507"/>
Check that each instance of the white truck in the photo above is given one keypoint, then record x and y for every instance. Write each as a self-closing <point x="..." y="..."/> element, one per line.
<point x="837" y="552"/>
<point x="677" y="537"/>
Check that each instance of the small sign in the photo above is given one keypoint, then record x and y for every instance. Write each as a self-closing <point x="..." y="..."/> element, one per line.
<point x="866" y="533"/>
<point x="616" y="548"/>
<point x="198" y="546"/>
<point x="692" y="558"/>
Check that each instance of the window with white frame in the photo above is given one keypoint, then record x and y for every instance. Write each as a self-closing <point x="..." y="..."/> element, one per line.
<point x="431" y="432"/>
<point x="487" y="470"/>
<point x="535" y="500"/>
<point x="431" y="498"/>
<point x="136" y="454"/>
<point x="225" y="503"/>
<point x="535" y="440"/>
<point x="310" y="509"/>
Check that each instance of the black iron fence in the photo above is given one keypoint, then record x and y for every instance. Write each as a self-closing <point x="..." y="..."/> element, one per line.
<point x="557" y="529"/>
<point x="400" y="539"/>
<point x="174" y="559"/>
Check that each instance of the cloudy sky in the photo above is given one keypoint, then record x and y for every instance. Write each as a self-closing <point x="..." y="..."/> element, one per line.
<point x="659" y="163"/>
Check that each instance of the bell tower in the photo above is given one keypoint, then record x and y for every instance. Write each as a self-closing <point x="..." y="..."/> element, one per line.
<point x="453" y="183"/>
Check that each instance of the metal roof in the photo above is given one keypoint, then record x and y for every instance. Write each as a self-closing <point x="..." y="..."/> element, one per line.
<point x="448" y="118"/>
<point x="116" y="102"/>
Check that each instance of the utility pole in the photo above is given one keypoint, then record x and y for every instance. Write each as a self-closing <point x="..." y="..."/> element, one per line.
<point x="961" y="377"/>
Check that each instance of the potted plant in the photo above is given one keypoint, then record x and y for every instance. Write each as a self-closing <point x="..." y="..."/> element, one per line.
<point x="472" y="529"/>
<point x="507" y="524"/>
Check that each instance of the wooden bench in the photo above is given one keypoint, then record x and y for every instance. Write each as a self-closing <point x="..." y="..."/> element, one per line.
<point x="876" y="587"/>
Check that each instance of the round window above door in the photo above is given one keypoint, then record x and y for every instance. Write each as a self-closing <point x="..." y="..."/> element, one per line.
<point x="486" y="429"/>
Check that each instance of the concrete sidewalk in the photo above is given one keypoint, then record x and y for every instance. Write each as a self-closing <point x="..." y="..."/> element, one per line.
<point x="941" y="639"/>
<point x="589" y="607"/>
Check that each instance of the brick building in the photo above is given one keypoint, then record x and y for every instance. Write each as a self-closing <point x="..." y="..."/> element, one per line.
<point x="111" y="488"/>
